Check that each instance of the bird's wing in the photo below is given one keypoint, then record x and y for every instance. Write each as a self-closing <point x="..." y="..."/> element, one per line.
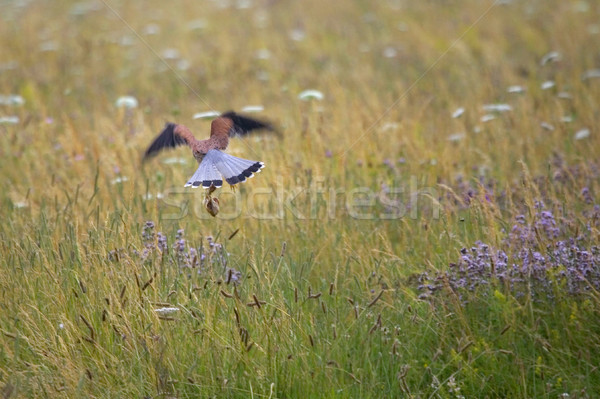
<point x="234" y="170"/>
<point x="243" y="125"/>
<point x="168" y="138"/>
<point x="206" y="175"/>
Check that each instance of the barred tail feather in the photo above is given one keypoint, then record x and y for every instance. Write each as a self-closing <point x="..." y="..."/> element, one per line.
<point x="235" y="170"/>
<point x="206" y="175"/>
<point x="217" y="165"/>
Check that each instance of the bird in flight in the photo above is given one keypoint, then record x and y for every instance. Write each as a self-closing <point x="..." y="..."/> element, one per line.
<point x="214" y="163"/>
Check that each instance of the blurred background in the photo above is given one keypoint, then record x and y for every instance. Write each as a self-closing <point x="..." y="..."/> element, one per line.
<point x="411" y="130"/>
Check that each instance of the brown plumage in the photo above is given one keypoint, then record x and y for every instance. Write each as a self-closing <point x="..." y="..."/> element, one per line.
<point x="227" y="125"/>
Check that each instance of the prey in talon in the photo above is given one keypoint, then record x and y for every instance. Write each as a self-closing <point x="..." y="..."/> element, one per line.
<point x="215" y="165"/>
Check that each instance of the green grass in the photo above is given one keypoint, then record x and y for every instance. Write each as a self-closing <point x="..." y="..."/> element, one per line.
<point x="328" y="304"/>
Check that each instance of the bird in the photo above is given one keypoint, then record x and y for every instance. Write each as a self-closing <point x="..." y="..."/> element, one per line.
<point x="214" y="164"/>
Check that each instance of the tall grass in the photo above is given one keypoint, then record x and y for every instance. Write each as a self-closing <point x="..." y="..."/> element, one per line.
<point x="307" y="284"/>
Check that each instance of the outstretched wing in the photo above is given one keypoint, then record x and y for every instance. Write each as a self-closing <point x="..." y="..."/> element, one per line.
<point x="243" y="125"/>
<point x="216" y="163"/>
<point x="168" y="138"/>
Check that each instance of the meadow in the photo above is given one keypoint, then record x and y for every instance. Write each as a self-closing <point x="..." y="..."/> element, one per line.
<point x="426" y="226"/>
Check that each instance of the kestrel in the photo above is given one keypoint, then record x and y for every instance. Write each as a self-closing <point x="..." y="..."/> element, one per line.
<point x="214" y="163"/>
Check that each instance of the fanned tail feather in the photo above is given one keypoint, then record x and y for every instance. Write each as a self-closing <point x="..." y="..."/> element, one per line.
<point x="216" y="163"/>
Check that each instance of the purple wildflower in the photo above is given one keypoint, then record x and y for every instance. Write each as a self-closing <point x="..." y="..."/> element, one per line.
<point x="148" y="231"/>
<point x="537" y="258"/>
<point x="233" y="276"/>
<point x="587" y="196"/>
<point x="211" y="259"/>
<point x="162" y="242"/>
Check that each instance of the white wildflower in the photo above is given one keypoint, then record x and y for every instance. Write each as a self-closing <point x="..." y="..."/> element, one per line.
<point x="497" y="107"/>
<point x="171" y="54"/>
<point x="183" y="64"/>
<point x="9" y="120"/>
<point x="389" y="126"/>
<point x="126" y="102"/>
<point x="548" y="84"/>
<point x="297" y="35"/>
<point x="552" y="56"/>
<point x="48" y="46"/>
<point x="546" y="126"/>
<point x="20" y="204"/>
<point x="311" y="95"/>
<point x="253" y="108"/>
<point x="196" y="24"/>
<point x="564" y="95"/>
<point x="566" y="119"/>
<point x="487" y="117"/>
<point x="175" y="161"/>
<point x="151" y="29"/>
<point x="166" y="311"/>
<point x="262" y="54"/>
<point x="458" y="112"/>
<point x="206" y="115"/>
<point x="582" y="134"/>
<point x="126" y="40"/>
<point x="457" y="137"/>
<point x="515" y="89"/>
<point x="591" y="74"/>
<point x="119" y="180"/>
<point x="243" y="4"/>
<point x="390" y="52"/>
<point x="12" y="99"/>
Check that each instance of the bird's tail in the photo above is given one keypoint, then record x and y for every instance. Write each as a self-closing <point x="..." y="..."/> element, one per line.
<point x="216" y="164"/>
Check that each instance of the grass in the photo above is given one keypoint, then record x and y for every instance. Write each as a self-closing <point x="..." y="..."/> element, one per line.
<point x="363" y="194"/>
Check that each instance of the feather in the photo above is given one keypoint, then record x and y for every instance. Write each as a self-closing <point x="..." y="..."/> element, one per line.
<point x="243" y="125"/>
<point x="166" y="139"/>
<point x="206" y="175"/>
<point x="215" y="166"/>
<point x="233" y="169"/>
